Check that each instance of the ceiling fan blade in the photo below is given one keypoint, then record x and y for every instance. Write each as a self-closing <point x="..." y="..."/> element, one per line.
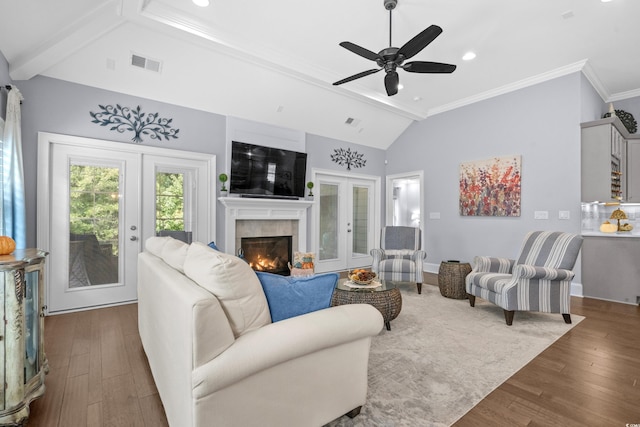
<point x="357" y="76"/>
<point x="391" y="81"/>
<point x="419" y="42"/>
<point x="365" y="53"/>
<point x="428" y="67"/>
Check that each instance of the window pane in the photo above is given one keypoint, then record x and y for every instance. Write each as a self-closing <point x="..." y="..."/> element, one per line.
<point x="94" y="212"/>
<point x="328" y="221"/>
<point x="360" y="220"/>
<point x="169" y="202"/>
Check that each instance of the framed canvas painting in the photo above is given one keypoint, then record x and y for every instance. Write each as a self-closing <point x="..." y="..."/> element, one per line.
<point x="490" y="187"/>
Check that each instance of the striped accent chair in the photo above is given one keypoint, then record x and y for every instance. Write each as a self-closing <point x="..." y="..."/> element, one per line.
<point x="539" y="280"/>
<point x="399" y="257"/>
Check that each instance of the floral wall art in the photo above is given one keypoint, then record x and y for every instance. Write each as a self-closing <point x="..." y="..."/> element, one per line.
<point x="490" y="187"/>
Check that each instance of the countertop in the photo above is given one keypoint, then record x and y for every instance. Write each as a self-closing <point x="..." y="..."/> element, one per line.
<point x="619" y="234"/>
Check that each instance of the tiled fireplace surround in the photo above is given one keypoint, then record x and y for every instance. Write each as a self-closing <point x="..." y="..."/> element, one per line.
<point x="248" y="217"/>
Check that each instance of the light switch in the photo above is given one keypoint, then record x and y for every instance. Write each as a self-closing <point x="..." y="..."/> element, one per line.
<point x="564" y="215"/>
<point x="434" y="215"/>
<point x="541" y="215"/>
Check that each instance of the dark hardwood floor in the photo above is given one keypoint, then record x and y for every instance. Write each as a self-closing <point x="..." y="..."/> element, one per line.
<point x="589" y="377"/>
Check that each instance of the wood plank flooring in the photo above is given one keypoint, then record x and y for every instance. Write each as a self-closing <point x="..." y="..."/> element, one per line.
<point x="99" y="375"/>
<point x="589" y="377"/>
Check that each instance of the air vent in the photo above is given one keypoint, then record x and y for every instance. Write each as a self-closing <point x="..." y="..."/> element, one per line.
<point x="146" y="63"/>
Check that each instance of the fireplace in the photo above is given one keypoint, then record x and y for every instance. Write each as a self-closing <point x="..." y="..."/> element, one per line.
<point x="271" y="254"/>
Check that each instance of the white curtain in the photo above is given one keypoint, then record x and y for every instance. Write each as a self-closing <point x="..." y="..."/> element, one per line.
<point x="13" y="208"/>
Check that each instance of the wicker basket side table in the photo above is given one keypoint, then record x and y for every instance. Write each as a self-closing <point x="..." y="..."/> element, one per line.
<point x="451" y="277"/>
<point x="388" y="301"/>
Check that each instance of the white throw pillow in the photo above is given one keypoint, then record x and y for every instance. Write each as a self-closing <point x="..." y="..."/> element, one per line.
<point x="155" y="244"/>
<point x="174" y="252"/>
<point x="233" y="282"/>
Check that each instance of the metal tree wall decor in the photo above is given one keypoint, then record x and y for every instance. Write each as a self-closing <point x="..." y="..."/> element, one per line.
<point x="348" y="157"/>
<point x="126" y="119"/>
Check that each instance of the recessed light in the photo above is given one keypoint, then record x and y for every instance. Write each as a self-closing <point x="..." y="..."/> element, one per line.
<point x="468" y="56"/>
<point x="605" y="1"/>
<point x="417" y="98"/>
<point x="201" y="3"/>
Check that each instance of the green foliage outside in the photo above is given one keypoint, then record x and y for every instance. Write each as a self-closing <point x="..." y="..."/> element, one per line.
<point x="94" y="202"/>
<point x="169" y="201"/>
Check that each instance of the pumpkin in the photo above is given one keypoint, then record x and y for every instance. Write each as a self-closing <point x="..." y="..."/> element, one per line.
<point x="607" y="227"/>
<point x="7" y="245"/>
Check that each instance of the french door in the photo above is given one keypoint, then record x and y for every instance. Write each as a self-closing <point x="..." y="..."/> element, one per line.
<point x="99" y="201"/>
<point x="346" y="221"/>
<point x="95" y="220"/>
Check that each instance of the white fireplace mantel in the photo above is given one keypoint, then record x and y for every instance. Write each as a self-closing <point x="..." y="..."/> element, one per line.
<point x="242" y="208"/>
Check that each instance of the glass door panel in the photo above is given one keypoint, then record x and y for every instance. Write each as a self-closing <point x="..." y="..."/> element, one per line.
<point x="172" y="213"/>
<point x="360" y="208"/>
<point x="329" y="202"/>
<point x="94" y="212"/>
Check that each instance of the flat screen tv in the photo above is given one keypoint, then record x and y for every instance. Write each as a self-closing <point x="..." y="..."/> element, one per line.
<point x="258" y="171"/>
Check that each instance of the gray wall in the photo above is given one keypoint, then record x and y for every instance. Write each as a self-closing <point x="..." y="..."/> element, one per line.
<point x="541" y="123"/>
<point x="57" y="106"/>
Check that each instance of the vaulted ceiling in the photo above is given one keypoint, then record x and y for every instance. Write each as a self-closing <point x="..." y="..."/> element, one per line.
<point x="275" y="62"/>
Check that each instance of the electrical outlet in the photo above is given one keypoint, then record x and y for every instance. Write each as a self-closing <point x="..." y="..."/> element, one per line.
<point x="434" y="215"/>
<point x="541" y="215"/>
<point x="564" y="215"/>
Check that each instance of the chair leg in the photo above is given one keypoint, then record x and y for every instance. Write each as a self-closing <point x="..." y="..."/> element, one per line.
<point x="472" y="300"/>
<point x="508" y="316"/>
<point x="567" y="318"/>
<point x="355" y="411"/>
<point x="419" y="288"/>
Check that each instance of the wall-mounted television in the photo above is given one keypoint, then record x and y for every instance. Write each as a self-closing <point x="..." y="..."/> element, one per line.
<point x="258" y="171"/>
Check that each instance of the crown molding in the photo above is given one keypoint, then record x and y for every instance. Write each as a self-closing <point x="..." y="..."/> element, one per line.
<point x="521" y="84"/>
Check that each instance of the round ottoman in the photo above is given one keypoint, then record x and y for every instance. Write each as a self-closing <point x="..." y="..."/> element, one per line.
<point x="451" y="277"/>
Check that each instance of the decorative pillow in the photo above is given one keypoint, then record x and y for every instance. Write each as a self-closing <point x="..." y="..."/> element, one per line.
<point x="155" y="244"/>
<point x="174" y="253"/>
<point x="292" y="296"/>
<point x="233" y="282"/>
<point x="213" y="246"/>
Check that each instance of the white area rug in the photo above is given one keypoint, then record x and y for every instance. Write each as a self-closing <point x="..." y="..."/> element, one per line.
<point x="442" y="357"/>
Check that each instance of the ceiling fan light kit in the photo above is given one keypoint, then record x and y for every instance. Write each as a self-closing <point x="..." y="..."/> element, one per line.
<point x="391" y="58"/>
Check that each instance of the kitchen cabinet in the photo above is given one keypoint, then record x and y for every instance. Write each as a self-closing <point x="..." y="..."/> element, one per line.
<point x="610" y="162"/>
<point x="23" y="363"/>
<point x="633" y="170"/>
<point x="603" y="160"/>
<point x="610" y="268"/>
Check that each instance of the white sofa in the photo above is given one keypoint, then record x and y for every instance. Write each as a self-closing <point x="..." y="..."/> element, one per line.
<point x="218" y="360"/>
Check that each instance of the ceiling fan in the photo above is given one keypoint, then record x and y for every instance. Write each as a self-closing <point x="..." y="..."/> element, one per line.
<point x="389" y="59"/>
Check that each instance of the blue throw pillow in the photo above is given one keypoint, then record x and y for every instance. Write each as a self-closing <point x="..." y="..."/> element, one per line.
<point x="289" y="296"/>
<point x="213" y="246"/>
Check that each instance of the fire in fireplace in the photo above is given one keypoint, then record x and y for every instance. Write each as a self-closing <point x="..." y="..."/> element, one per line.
<point x="270" y="254"/>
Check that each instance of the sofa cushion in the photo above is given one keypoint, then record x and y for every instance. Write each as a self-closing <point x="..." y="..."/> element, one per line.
<point x="294" y="296"/>
<point x="174" y="252"/>
<point x="233" y="282"/>
<point x="155" y="244"/>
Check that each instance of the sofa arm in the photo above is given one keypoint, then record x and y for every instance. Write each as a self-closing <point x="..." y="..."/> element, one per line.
<point x="545" y="273"/>
<point x="485" y="264"/>
<point x="282" y="341"/>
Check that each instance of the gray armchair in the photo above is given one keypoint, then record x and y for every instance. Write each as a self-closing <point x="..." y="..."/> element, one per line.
<point x="399" y="257"/>
<point x="540" y="279"/>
